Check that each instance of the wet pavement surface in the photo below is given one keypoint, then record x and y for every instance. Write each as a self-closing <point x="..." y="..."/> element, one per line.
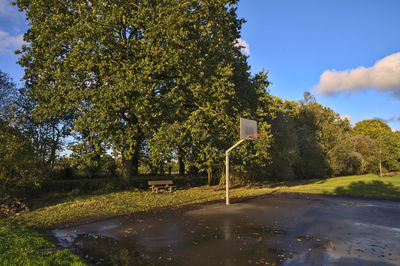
<point x="278" y="229"/>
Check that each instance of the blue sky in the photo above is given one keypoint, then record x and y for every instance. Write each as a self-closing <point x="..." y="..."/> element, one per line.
<point x="297" y="42"/>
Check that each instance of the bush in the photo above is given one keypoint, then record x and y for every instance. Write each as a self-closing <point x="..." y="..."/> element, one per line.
<point x="20" y="167"/>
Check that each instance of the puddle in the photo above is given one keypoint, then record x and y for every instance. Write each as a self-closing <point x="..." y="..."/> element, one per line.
<point x="96" y="249"/>
<point x="226" y="242"/>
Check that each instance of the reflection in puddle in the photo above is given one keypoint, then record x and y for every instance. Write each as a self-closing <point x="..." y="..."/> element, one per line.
<point x="103" y="250"/>
<point x="308" y="258"/>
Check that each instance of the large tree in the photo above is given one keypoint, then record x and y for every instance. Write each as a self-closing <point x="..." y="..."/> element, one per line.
<point x="120" y="68"/>
<point x="388" y="143"/>
<point x="8" y="91"/>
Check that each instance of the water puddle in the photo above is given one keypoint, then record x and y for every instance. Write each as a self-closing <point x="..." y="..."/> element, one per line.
<point x="228" y="242"/>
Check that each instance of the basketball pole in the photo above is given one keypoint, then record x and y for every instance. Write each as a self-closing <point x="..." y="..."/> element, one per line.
<point x="227" y="153"/>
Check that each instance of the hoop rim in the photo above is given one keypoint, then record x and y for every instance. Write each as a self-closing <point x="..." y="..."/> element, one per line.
<point x="254" y="137"/>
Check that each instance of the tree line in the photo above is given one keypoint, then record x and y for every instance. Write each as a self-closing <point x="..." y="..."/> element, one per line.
<point x="154" y="86"/>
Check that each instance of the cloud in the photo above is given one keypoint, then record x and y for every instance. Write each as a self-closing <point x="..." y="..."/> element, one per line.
<point x="343" y="117"/>
<point x="244" y="46"/>
<point x="383" y="76"/>
<point x="393" y="119"/>
<point x="8" y="43"/>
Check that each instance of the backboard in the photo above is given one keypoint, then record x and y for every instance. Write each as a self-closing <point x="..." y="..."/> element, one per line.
<point x="247" y="128"/>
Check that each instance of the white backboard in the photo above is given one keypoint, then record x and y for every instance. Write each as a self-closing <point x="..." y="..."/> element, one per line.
<point x="247" y="128"/>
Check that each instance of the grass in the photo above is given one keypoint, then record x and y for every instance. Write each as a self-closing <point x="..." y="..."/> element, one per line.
<point x="124" y="202"/>
<point x="366" y="186"/>
<point x="20" y="245"/>
<point x="117" y="203"/>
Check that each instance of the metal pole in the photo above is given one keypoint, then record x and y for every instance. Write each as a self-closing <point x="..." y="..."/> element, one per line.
<point x="227" y="169"/>
<point x="227" y="178"/>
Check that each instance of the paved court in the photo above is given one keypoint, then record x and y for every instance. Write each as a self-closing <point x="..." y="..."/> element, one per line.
<point x="281" y="229"/>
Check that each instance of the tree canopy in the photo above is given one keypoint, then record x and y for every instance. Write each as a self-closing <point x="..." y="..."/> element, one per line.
<point x="120" y="69"/>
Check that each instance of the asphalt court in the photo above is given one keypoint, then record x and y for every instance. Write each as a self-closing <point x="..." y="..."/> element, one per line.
<point x="280" y="229"/>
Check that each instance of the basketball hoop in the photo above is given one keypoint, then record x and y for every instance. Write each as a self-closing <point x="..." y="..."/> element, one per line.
<point x="248" y="131"/>
<point x="254" y="137"/>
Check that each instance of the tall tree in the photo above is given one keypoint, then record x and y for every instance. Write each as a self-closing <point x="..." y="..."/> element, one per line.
<point x="8" y="92"/>
<point x="121" y="66"/>
<point x="387" y="142"/>
<point x="284" y="147"/>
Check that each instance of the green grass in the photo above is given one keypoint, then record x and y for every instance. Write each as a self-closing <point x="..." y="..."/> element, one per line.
<point x="20" y="245"/>
<point x="367" y="186"/>
<point x="116" y="203"/>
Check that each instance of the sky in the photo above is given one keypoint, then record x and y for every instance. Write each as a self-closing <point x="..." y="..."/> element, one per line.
<point x="346" y="52"/>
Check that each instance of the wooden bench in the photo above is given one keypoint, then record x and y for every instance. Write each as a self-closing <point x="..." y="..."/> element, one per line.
<point x="161" y="184"/>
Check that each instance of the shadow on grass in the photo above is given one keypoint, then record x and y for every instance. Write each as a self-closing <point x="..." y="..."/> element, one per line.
<point x="374" y="189"/>
<point x="292" y="183"/>
<point x="51" y="199"/>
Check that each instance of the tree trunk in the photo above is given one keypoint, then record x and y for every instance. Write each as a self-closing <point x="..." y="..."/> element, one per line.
<point x="162" y="170"/>
<point x="181" y="162"/>
<point x="126" y="171"/>
<point x="135" y="164"/>
<point x="135" y="158"/>
<point x="152" y="169"/>
<point x="209" y="175"/>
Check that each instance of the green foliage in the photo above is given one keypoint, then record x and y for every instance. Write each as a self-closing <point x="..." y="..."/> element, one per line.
<point x="28" y="146"/>
<point x="19" y="165"/>
<point x="8" y="92"/>
<point x="388" y="143"/>
<point x="162" y="84"/>
<point x="21" y="245"/>
<point x="284" y="150"/>
<point x="353" y="154"/>
<point x="374" y="128"/>
<point x="123" y="68"/>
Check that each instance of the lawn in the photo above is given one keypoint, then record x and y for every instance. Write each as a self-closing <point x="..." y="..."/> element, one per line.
<point x="117" y="203"/>
<point x="366" y="186"/>
<point x="20" y="245"/>
<point x="24" y="240"/>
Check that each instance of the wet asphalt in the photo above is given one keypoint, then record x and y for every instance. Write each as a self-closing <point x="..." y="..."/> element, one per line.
<point x="277" y="229"/>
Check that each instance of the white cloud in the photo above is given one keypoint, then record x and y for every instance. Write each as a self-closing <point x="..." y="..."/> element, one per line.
<point x="245" y="47"/>
<point x="8" y="43"/>
<point x="383" y="76"/>
<point x="343" y="117"/>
